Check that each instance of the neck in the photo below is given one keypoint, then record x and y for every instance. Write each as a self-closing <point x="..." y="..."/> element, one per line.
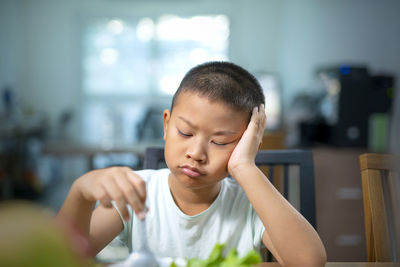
<point x="193" y="201"/>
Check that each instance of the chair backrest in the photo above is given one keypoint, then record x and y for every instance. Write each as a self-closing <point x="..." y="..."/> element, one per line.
<point x="287" y="158"/>
<point x="153" y="157"/>
<point x="381" y="188"/>
<point x="270" y="158"/>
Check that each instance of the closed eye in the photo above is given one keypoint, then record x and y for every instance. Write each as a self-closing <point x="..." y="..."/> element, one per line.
<point x="183" y="134"/>
<point x="219" y="144"/>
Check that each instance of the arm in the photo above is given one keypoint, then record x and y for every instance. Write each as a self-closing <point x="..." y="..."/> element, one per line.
<point x="100" y="226"/>
<point x="288" y="235"/>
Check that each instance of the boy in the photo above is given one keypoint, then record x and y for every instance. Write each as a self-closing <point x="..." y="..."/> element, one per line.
<point x="213" y="130"/>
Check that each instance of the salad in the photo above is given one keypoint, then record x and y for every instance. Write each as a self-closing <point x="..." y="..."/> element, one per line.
<point x="217" y="259"/>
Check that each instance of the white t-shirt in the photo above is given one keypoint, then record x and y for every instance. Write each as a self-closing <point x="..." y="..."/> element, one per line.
<point x="171" y="233"/>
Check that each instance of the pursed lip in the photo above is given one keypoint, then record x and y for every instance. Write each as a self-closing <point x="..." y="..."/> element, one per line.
<point x="191" y="171"/>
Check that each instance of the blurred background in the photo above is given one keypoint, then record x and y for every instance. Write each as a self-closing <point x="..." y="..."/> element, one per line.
<point x="83" y="84"/>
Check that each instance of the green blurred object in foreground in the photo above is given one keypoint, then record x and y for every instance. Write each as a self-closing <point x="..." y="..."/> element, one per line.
<point x="29" y="236"/>
<point x="216" y="259"/>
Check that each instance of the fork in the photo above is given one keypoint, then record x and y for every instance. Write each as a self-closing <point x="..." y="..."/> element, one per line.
<point x="143" y="257"/>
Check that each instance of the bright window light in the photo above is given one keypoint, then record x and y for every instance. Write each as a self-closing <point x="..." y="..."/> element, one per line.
<point x="115" y="26"/>
<point x="145" y="30"/>
<point x="109" y="56"/>
<point x="149" y="56"/>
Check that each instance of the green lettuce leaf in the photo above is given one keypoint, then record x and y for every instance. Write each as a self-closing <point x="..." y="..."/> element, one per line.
<point x="217" y="259"/>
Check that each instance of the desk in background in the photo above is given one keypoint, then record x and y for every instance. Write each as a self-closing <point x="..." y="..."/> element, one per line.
<point x="59" y="149"/>
<point x="340" y="218"/>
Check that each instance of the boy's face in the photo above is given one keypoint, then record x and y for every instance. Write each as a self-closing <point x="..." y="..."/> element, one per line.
<point x="200" y="137"/>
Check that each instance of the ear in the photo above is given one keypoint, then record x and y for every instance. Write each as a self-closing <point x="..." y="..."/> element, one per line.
<point x="166" y="117"/>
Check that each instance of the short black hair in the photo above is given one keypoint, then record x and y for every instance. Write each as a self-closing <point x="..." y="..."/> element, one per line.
<point x="223" y="81"/>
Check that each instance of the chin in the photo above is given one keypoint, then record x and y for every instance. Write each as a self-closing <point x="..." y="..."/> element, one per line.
<point x="190" y="182"/>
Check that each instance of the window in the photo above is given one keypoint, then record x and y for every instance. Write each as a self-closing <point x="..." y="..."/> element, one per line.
<point x="131" y="64"/>
<point x="149" y="56"/>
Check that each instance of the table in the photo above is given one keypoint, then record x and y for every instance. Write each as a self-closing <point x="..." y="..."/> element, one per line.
<point x="61" y="149"/>
<point x="344" y="264"/>
<point x="335" y="264"/>
<point x="341" y="264"/>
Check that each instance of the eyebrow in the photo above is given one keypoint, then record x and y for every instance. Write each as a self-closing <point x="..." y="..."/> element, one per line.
<point x="223" y="132"/>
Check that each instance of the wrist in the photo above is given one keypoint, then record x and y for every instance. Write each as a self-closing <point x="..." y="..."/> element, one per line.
<point x="240" y="170"/>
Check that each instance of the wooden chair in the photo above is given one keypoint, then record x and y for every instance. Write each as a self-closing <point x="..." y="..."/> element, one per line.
<point x="380" y="180"/>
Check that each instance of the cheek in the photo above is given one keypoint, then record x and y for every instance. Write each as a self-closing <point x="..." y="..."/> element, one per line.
<point x="170" y="155"/>
<point x="173" y="148"/>
<point x="169" y="136"/>
<point x="221" y="158"/>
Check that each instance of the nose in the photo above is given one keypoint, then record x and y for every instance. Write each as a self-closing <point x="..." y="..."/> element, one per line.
<point x="197" y="152"/>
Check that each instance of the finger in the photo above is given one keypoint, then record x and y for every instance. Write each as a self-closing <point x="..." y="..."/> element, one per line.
<point x="260" y="124"/>
<point x="139" y="184"/>
<point x="130" y="193"/>
<point x="117" y="195"/>
<point x="106" y="202"/>
<point x="254" y="113"/>
<point x="253" y="118"/>
<point x="263" y="117"/>
<point x="101" y="195"/>
<point x="256" y="118"/>
<point x="263" y="110"/>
